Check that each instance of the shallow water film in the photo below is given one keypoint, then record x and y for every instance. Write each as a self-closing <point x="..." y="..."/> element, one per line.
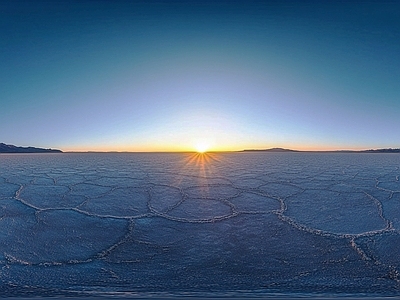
<point x="217" y="224"/>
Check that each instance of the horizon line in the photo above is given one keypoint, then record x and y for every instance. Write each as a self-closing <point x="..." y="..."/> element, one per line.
<point x="210" y="150"/>
<point x="274" y="149"/>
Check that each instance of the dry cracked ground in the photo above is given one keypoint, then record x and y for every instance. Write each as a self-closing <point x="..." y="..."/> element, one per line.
<point x="218" y="224"/>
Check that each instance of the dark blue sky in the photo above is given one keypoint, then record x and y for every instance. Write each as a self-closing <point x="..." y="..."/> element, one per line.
<point x="168" y="75"/>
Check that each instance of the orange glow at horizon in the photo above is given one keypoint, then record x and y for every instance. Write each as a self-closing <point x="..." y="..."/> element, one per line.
<point x="199" y="147"/>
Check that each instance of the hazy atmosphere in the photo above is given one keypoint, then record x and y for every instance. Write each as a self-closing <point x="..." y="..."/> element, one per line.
<point x="172" y="75"/>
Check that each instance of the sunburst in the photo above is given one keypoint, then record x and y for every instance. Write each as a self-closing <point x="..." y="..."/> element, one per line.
<point x="202" y="147"/>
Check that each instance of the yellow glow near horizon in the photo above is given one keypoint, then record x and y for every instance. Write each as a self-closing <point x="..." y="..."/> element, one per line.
<point x="199" y="147"/>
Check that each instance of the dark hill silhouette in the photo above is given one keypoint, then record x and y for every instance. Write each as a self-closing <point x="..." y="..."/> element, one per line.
<point x="15" y="149"/>
<point x="271" y="150"/>
<point x="386" y="150"/>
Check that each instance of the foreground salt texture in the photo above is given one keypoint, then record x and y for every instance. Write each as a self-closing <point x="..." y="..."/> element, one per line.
<point x="228" y="224"/>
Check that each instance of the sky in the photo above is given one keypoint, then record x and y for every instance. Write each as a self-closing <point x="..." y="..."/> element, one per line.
<point x="179" y="75"/>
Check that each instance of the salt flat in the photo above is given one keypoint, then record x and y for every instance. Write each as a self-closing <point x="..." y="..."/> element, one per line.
<point x="218" y="224"/>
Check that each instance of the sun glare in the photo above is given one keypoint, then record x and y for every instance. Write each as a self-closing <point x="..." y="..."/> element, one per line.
<point x="202" y="147"/>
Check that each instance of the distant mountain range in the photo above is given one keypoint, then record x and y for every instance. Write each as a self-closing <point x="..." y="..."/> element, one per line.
<point x="15" y="149"/>
<point x="271" y="150"/>
<point x="4" y="148"/>
<point x="387" y="150"/>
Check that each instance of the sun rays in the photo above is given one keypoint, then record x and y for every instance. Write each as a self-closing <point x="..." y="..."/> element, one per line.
<point x="202" y="166"/>
<point x="202" y="160"/>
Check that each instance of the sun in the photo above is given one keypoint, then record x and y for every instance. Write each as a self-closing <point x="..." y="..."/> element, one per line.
<point x="202" y="146"/>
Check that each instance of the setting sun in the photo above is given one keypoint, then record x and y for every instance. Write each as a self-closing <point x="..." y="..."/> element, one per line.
<point x="202" y="147"/>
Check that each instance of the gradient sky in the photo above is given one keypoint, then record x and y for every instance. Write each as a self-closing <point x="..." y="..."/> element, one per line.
<point x="166" y="75"/>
